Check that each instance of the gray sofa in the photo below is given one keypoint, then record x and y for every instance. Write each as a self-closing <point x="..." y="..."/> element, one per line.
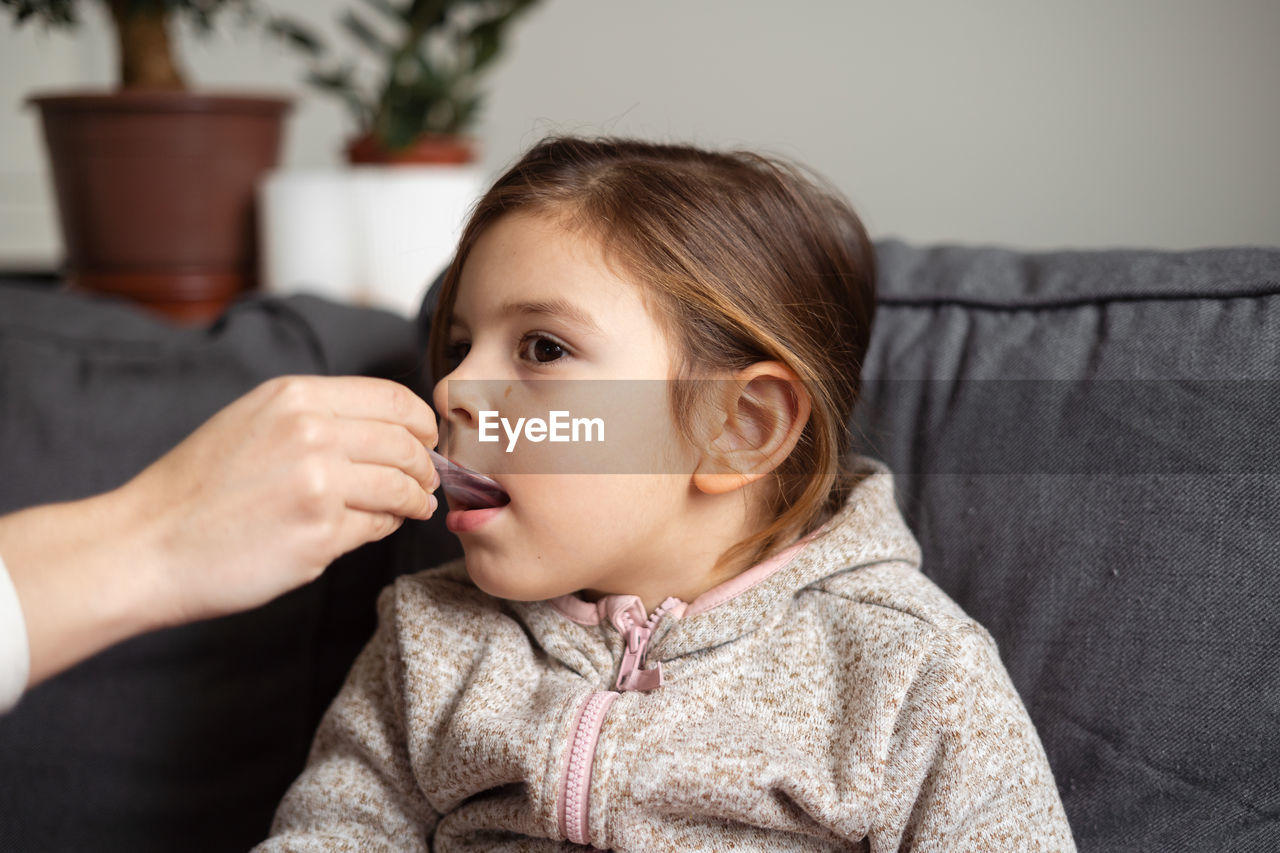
<point x="1085" y="445"/>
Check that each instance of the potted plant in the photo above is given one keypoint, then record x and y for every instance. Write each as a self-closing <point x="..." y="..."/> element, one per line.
<point x="155" y="183"/>
<point x="379" y="232"/>
<point x="429" y="57"/>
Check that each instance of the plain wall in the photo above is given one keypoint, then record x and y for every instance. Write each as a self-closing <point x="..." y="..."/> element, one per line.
<point x="1089" y="124"/>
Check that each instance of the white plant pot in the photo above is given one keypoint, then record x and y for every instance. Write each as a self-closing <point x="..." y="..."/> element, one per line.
<point x="376" y="235"/>
<point x="307" y="234"/>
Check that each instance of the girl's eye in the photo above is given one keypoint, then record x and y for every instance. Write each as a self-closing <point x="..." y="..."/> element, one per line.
<point x="541" y="349"/>
<point x="457" y="351"/>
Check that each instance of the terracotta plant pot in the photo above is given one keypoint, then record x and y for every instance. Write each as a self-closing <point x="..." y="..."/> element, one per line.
<point x="156" y="193"/>
<point x="429" y="149"/>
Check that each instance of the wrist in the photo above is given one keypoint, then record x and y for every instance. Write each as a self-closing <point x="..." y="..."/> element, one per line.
<point x="84" y="575"/>
<point x="137" y="560"/>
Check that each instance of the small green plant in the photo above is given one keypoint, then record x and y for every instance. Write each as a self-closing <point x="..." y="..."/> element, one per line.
<point x="421" y="74"/>
<point x="430" y="56"/>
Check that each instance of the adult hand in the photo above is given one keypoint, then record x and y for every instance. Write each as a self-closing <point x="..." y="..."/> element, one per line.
<point x="257" y="501"/>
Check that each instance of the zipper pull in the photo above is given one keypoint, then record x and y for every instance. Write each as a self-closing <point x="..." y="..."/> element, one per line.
<point x="637" y="636"/>
<point x="630" y="675"/>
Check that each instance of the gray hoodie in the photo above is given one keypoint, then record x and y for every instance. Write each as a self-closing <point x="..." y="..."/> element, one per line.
<point x="831" y="698"/>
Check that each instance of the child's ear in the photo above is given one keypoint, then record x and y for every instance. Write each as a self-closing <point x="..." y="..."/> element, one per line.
<point x="765" y="410"/>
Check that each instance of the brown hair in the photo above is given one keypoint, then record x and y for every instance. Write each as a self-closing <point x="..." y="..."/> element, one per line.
<point x="746" y="260"/>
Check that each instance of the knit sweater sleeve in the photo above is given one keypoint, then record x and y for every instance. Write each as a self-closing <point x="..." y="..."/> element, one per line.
<point x="966" y="769"/>
<point x="358" y="792"/>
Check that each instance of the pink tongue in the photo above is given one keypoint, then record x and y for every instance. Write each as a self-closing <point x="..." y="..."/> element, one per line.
<point x="466" y="487"/>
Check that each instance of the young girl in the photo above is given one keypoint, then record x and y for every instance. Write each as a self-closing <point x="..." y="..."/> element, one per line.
<point x="734" y="651"/>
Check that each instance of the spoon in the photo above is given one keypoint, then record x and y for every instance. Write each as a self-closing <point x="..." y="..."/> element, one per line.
<point x="467" y="488"/>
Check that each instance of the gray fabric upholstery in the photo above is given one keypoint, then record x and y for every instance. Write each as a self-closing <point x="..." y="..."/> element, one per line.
<point x="1086" y="447"/>
<point x="185" y="739"/>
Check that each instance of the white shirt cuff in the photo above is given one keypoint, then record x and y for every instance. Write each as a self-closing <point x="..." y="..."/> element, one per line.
<point x="15" y="654"/>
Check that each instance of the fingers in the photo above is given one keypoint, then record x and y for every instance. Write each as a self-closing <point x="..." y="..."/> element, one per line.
<point x="359" y="527"/>
<point x="355" y="397"/>
<point x="390" y="445"/>
<point x="382" y="489"/>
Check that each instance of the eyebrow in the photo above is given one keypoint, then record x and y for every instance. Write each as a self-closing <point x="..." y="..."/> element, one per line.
<point x="551" y="308"/>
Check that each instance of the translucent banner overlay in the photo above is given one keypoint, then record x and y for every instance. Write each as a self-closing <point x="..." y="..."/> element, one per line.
<point x="1153" y="426"/>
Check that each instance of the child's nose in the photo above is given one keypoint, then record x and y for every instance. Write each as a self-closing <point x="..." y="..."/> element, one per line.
<point x="458" y="401"/>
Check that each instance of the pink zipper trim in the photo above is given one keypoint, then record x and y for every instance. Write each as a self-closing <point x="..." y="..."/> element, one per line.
<point x="753" y="576"/>
<point x="576" y="784"/>
<point x="626" y="613"/>
<point x="577" y="772"/>
<point x="636" y="637"/>
<point x="593" y="613"/>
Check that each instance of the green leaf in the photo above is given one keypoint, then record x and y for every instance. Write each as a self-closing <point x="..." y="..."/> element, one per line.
<point x="404" y="126"/>
<point x="341" y="83"/>
<point x="486" y="41"/>
<point x="296" y="35"/>
<point x="418" y="96"/>
<point x="427" y="14"/>
<point x="54" y="13"/>
<point x="357" y="27"/>
<point x="467" y="110"/>
<point x="334" y="81"/>
<point x="397" y="13"/>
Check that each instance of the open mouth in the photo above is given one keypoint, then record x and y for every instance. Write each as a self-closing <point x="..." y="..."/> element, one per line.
<point x="467" y="489"/>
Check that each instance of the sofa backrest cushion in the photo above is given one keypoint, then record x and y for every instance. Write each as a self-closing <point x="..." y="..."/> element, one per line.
<point x="1086" y="444"/>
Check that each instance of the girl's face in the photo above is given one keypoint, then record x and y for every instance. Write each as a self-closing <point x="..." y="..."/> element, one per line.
<point x="538" y="302"/>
